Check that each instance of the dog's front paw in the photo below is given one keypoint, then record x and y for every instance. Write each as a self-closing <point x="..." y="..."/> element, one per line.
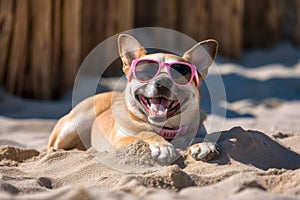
<point x="205" y="151"/>
<point x="163" y="154"/>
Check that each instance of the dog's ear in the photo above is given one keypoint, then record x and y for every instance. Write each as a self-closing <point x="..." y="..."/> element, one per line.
<point x="129" y="49"/>
<point x="202" y="55"/>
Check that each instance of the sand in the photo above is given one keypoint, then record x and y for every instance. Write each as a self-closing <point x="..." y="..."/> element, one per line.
<point x="260" y="147"/>
<point x="251" y="163"/>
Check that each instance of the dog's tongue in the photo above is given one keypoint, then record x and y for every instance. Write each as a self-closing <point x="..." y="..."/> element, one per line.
<point x="159" y="107"/>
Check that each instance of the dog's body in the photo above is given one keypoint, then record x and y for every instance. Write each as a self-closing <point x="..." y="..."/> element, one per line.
<point x="157" y="111"/>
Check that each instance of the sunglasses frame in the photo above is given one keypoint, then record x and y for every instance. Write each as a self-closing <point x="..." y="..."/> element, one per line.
<point x="161" y="65"/>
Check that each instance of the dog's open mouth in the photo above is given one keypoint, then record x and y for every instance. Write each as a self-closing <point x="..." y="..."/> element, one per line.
<point x="159" y="108"/>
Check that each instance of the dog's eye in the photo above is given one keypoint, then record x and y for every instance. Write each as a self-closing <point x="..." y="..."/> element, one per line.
<point x="146" y="70"/>
<point x="181" y="70"/>
<point x="181" y="73"/>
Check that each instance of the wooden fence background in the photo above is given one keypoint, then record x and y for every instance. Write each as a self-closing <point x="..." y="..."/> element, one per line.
<point x="43" y="42"/>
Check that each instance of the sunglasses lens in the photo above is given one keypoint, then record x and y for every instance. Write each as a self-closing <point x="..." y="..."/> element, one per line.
<point x="146" y="70"/>
<point x="181" y="73"/>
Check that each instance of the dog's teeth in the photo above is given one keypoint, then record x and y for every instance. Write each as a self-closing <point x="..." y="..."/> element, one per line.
<point x="165" y="112"/>
<point x="169" y="103"/>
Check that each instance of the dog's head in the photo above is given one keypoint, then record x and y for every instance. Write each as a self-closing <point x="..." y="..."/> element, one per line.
<point x="163" y="89"/>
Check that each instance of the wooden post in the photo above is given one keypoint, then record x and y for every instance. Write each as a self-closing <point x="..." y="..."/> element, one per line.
<point x="226" y="26"/>
<point x="71" y="42"/>
<point x="15" y="76"/>
<point x="156" y="13"/>
<point x="296" y="31"/>
<point x="93" y="24"/>
<point x="119" y="16"/>
<point x="194" y="19"/>
<point x="40" y="48"/>
<point x="262" y="23"/>
<point x="165" y="13"/>
<point x="55" y="68"/>
<point x="6" y="28"/>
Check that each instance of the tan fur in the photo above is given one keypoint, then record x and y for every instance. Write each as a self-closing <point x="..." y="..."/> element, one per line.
<point x="89" y="108"/>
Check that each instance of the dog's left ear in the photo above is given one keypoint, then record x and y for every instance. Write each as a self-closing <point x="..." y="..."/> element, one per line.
<point x="202" y="55"/>
<point x="129" y="49"/>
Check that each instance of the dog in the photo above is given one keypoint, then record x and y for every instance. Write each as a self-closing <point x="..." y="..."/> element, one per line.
<point x="159" y="105"/>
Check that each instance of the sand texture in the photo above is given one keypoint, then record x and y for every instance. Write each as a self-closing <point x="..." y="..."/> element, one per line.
<point x="252" y="164"/>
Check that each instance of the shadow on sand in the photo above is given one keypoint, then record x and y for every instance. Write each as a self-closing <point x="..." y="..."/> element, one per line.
<point x="257" y="149"/>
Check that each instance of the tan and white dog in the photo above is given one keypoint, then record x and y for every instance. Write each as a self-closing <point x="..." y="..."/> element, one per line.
<point x="160" y="105"/>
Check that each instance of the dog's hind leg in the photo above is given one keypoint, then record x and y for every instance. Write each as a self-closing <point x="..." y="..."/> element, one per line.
<point x="65" y="135"/>
<point x="74" y="129"/>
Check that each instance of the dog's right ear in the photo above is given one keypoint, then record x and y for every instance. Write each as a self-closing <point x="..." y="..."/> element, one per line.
<point x="129" y="49"/>
<point x="202" y="55"/>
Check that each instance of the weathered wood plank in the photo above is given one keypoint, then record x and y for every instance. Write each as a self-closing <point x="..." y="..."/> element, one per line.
<point x="15" y="75"/>
<point x="56" y="47"/>
<point x="40" y="48"/>
<point x="296" y="31"/>
<point x="165" y="13"/>
<point x="193" y="18"/>
<point x="262" y="23"/>
<point x="71" y="42"/>
<point x="6" y="28"/>
<point x="156" y="13"/>
<point x="93" y="25"/>
<point x="226" y="25"/>
<point x="120" y="16"/>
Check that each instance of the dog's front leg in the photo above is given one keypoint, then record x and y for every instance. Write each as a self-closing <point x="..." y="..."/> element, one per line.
<point x="162" y="151"/>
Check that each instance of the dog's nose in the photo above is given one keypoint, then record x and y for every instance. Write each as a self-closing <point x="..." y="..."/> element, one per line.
<point x="163" y="82"/>
<point x="158" y="84"/>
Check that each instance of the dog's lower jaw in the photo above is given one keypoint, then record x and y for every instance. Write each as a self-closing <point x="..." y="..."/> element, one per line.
<point x="161" y="122"/>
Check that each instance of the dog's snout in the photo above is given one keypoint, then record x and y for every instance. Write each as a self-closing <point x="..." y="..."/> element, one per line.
<point x="163" y="82"/>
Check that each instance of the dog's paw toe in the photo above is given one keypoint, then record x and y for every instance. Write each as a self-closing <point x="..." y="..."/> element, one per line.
<point x="205" y="151"/>
<point x="163" y="154"/>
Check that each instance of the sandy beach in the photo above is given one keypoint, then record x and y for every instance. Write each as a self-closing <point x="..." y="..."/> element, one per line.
<point x="259" y="141"/>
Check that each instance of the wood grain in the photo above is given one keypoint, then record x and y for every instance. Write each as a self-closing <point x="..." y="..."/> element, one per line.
<point x="43" y="42"/>
<point x="296" y="31"/>
<point x="15" y="76"/>
<point x="71" y="42"/>
<point x="6" y="28"/>
<point x="194" y="18"/>
<point x="226" y="26"/>
<point x="40" y="48"/>
<point x="56" y="51"/>
<point x="120" y="15"/>
<point x="263" y="23"/>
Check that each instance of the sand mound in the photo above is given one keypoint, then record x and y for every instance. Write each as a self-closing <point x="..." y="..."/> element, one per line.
<point x="11" y="156"/>
<point x="251" y="163"/>
<point x="134" y="158"/>
<point x="257" y="149"/>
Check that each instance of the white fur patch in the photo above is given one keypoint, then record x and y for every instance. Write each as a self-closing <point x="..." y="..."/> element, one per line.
<point x="163" y="154"/>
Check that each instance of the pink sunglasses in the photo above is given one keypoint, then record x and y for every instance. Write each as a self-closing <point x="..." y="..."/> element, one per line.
<point x="181" y="73"/>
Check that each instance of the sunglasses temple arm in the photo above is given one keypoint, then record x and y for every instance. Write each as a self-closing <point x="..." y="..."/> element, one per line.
<point x="197" y="79"/>
<point x="129" y="75"/>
